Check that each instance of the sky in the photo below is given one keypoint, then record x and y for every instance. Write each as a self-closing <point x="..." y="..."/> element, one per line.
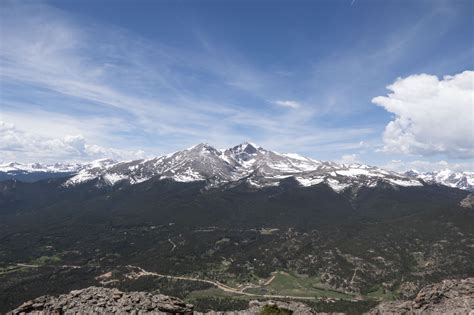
<point x="387" y="83"/>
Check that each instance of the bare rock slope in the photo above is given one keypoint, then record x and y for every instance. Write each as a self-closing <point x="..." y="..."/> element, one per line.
<point x="104" y="300"/>
<point x="447" y="297"/>
<point x="468" y="202"/>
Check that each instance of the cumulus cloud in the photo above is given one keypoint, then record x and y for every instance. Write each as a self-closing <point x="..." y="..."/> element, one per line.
<point x="432" y="115"/>
<point x="28" y="147"/>
<point x="288" y="103"/>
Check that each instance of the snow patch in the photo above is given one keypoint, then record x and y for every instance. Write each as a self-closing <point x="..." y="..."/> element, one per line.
<point x="81" y="177"/>
<point x="405" y="182"/>
<point x="113" y="178"/>
<point x="336" y="185"/>
<point x="309" y="181"/>
<point x="295" y="156"/>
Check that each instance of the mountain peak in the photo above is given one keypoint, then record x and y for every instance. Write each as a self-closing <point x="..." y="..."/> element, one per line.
<point x="250" y="144"/>
<point x="246" y="147"/>
<point x="102" y="163"/>
<point x="203" y="148"/>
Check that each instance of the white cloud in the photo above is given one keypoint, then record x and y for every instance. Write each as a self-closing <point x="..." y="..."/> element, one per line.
<point x="288" y="103"/>
<point x="27" y="147"/>
<point x="432" y="116"/>
<point x="427" y="166"/>
<point x="49" y="124"/>
<point x="350" y="159"/>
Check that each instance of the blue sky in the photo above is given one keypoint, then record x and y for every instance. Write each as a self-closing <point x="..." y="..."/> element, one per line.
<point x="87" y="79"/>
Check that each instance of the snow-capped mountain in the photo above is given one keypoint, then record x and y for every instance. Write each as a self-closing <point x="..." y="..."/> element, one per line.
<point x="245" y="162"/>
<point x="461" y="180"/>
<point x="37" y="167"/>
<point x="36" y="171"/>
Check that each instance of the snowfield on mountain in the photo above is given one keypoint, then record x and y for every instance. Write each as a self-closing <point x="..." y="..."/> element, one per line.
<point x="245" y="162"/>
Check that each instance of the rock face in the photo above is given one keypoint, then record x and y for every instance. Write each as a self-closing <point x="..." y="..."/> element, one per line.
<point x="256" y="308"/>
<point x="468" y="202"/>
<point x="447" y="297"/>
<point x="96" y="300"/>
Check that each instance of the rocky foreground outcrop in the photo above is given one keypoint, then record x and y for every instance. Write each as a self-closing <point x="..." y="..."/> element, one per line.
<point x="447" y="297"/>
<point x="104" y="300"/>
<point x="98" y="300"/>
<point x="468" y="202"/>
<point x="256" y="308"/>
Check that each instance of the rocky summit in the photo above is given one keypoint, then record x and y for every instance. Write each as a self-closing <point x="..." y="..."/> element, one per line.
<point x="447" y="297"/>
<point x="97" y="300"/>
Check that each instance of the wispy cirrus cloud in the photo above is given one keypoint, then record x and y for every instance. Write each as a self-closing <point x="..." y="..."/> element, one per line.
<point x="289" y="104"/>
<point x="154" y="95"/>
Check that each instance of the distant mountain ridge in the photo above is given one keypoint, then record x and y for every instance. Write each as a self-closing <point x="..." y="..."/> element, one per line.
<point x="38" y="167"/>
<point x="446" y="177"/>
<point x="244" y="162"/>
<point x="35" y="171"/>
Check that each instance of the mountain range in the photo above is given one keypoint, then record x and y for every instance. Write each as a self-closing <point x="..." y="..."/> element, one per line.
<point x="236" y="219"/>
<point x="245" y="162"/>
